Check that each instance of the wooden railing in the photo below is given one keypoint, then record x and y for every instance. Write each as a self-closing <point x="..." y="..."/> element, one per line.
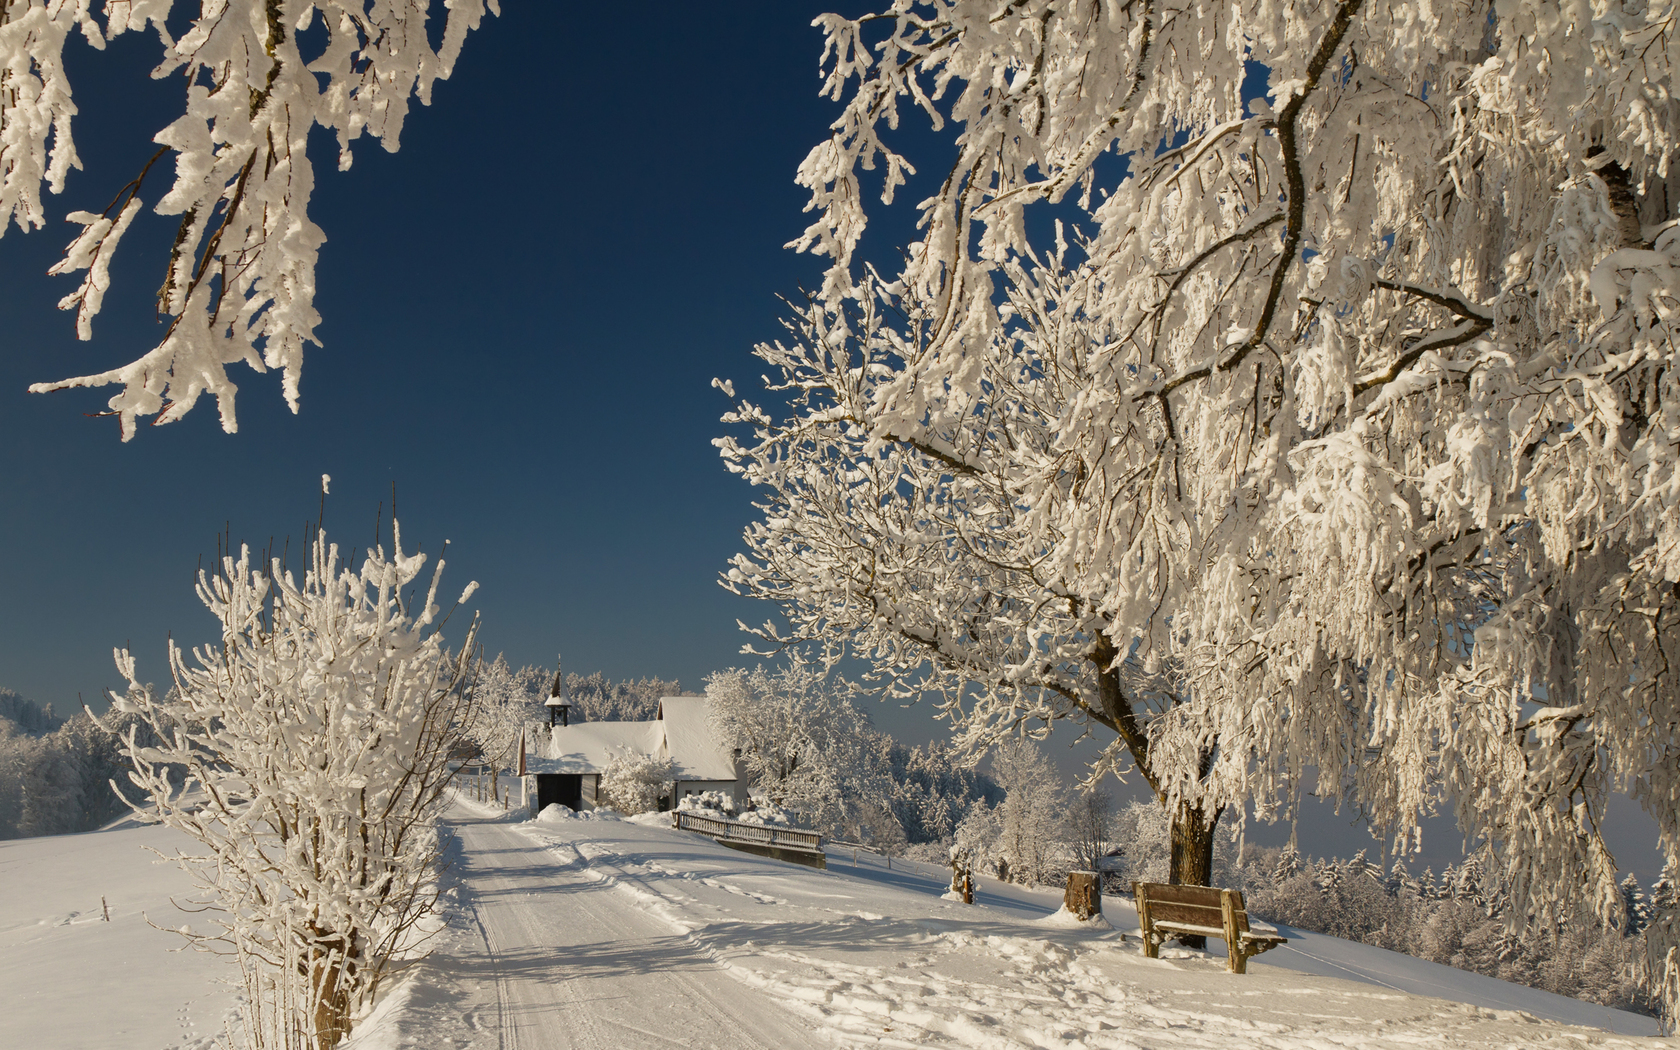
<point x="739" y="831"/>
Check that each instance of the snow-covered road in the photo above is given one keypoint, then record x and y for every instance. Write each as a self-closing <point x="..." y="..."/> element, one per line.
<point x="575" y="965"/>
<point x="584" y="933"/>
<point x="570" y="932"/>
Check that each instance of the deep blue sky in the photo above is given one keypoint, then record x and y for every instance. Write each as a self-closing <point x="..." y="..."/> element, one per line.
<point x="522" y="313"/>
<point x="523" y="310"/>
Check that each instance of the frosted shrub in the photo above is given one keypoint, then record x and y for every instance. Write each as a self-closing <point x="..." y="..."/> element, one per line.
<point x="314" y="742"/>
<point x="635" y="783"/>
<point x="1464" y="920"/>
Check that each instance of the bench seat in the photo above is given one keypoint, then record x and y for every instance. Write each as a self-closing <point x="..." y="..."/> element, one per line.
<point x="1184" y="927"/>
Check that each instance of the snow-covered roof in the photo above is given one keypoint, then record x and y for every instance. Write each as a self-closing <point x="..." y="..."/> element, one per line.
<point x="689" y="740"/>
<point x="680" y="731"/>
<point x="590" y="747"/>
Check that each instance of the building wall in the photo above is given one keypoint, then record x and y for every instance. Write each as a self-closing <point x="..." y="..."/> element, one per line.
<point x="592" y="791"/>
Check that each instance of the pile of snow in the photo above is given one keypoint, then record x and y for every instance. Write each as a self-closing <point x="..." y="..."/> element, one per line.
<point x="554" y="813"/>
<point x="1062" y="919"/>
<point x="719" y="806"/>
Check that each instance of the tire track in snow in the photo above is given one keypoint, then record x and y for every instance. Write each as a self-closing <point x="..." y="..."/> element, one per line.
<point x="577" y="969"/>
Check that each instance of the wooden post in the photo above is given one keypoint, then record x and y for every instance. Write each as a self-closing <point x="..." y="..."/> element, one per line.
<point x="1235" y="960"/>
<point x="1151" y="947"/>
<point x="1083" y="896"/>
<point x="962" y="881"/>
<point x="106" y="908"/>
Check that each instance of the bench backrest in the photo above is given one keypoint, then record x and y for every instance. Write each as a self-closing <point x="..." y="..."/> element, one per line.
<point x="1194" y="905"/>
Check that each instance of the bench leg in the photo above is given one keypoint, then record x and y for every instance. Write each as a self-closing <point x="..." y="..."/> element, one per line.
<point x="1236" y="959"/>
<point x="1151" y="946"/>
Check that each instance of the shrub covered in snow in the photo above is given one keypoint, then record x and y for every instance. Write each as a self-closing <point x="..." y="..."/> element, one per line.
<point x="708" y="804"/>
<point x="634" y="783"/>
<point x="1460" y="918"/>
<point x="315" y="743"/>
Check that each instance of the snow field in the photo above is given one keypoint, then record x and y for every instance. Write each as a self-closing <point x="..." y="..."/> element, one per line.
<point x="71" y="981"/>
<point x="568" y="934"/>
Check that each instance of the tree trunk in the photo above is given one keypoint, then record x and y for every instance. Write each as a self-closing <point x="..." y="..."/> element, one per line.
<point x="1192" y="854"/>
<point x="1083" y="897"/>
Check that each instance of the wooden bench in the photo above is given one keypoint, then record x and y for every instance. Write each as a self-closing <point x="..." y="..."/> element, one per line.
<point x="1172" y="911"/>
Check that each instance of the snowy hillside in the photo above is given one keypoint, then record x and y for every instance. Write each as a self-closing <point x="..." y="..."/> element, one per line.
<point x="609" y="933"/>
<point x="73" y="981"/>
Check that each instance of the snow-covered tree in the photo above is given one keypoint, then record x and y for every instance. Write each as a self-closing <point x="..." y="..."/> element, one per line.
<point x="1033" y="813"/>
<point x="307" y="756"/>
<point x="974" y="843"/>
<point x="239" y="281"/>
<point x="505" y="705"/>
<point x="924" y="556"/>
<point x="1090" y="826"/>
<point x="1636" y="907"/>
<point x="634" y="783"/>
<point x="58" y="780"/>
<point x="1345" y="399"/>
<point x="806" y="746"/>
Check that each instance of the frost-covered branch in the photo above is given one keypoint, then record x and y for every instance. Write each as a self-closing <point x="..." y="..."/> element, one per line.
<point x="239" y="283"/>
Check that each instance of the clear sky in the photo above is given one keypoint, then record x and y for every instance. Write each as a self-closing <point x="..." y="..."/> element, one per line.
<point x="523" y="310"/>
<point x="522" y="313"/>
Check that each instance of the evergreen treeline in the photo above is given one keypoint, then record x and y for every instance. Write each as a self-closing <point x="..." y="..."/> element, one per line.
<point x="26" y="715"/>
<point x="596" y="699"/>
<point x="55" y="773"/>
<point x="1460" y="918"/>
<point x="932" y="791"/>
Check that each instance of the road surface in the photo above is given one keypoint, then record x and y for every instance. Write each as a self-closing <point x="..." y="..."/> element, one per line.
<point x="576" y="966"/>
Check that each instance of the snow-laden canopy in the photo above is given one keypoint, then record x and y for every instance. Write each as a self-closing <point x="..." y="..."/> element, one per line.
<point x="1340" y="411"/>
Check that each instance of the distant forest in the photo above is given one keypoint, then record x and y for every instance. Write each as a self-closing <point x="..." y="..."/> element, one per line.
<point x="56" y="773"/>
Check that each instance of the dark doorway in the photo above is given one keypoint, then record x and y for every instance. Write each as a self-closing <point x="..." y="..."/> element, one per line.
<point x="564" y="788"/>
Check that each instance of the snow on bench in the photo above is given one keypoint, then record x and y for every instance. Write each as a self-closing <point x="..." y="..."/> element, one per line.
<point x="1169" y="911"/>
